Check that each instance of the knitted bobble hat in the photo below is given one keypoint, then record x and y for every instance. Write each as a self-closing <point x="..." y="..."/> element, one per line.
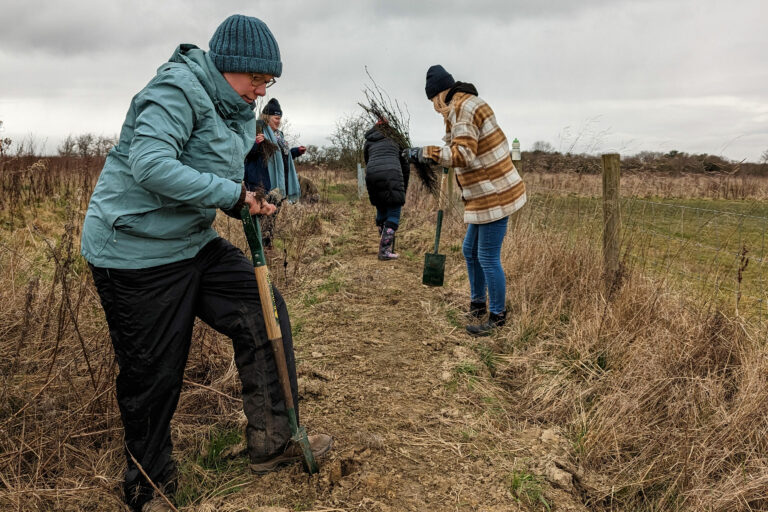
<point x="242" y="44"/>
<point x="438" y="80"/>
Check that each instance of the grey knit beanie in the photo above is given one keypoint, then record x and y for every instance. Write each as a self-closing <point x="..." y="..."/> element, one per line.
<point x="245" y="44"/>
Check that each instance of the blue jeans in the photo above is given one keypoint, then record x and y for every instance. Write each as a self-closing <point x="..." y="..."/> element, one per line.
<point x="389" y="214"/>
<point x="482" y="250"/>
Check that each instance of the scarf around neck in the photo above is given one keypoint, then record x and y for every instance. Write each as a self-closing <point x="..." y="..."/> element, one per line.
<point x="282" y="144"/>
<point x="442" y="101"/>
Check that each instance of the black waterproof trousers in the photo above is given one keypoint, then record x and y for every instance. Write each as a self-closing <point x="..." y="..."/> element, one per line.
<point x="150" y="313"/>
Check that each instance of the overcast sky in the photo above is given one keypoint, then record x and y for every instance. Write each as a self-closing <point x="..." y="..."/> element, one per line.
<point x="587" y="76"/>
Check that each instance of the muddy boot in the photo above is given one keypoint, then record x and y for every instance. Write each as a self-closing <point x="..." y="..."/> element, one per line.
<point x="385" y="245"/>
<point x="477" y="310"/>
<point x="486" y="328"/>
<point x="319" y="444"/>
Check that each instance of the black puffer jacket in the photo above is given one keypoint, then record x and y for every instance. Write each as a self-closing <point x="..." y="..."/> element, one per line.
<point x="386" y="172"/>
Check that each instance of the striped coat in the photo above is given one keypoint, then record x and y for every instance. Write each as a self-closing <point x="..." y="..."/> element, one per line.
<point x="491" y="186"/>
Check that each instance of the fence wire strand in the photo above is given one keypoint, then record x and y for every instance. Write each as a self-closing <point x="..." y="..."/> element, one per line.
<point x="718" y="256"/>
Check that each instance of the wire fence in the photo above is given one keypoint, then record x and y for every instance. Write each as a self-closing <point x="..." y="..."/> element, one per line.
<point x="717" y="256"/>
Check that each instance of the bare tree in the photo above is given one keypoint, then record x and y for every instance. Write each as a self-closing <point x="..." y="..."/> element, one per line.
<point x="291" y="137"/>
<point x="83" y="144"/>
<point x="316" y="154"/>
<point x="102" y="145"/>
<point x="349" y="139"/>
<point x="67" y="146"/>
<point x="87" y="145"/>
<point x="543" y="146"/>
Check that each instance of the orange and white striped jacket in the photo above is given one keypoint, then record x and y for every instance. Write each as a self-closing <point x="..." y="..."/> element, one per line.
<point x="491" y="186"/>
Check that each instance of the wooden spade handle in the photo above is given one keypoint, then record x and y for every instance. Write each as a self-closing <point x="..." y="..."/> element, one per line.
<point x="275" y="335"/>
<point x="441" y="199"/>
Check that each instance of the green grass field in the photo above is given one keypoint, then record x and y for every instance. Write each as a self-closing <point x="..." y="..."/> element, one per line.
<point x="711" y="249"/>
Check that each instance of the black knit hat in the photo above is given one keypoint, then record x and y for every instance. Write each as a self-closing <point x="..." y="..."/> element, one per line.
<point x="438" y="80"/>
<point x="272" y="108"/>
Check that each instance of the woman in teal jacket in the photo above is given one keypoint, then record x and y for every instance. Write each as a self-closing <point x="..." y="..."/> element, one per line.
<point x="273" y="169"/>
<point x="157" y="262"/>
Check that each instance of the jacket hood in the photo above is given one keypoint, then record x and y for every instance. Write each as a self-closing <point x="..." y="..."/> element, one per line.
<point x="374" y="134"/>
<point x="460" y="87"/>
<point x="228" y="103"/>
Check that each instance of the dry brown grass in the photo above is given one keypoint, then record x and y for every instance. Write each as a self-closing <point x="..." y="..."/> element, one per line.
<point x="60" y="430"/>
<point x="28" y="182"/>
<point x="665" y="403"/>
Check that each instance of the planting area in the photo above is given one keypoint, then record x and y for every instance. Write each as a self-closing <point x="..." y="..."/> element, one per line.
<point x="646" y="402"/>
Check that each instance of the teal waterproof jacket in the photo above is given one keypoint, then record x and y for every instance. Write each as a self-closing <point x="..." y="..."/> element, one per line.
<point x="179" y="158"/>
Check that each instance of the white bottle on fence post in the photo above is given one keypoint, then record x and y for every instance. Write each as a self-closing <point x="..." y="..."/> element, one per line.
<point x="360" y="181"/>
<point x="517" y="157"/>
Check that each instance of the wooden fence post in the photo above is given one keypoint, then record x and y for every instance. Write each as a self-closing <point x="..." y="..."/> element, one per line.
<point x="517" y="161"/>
<point x="360" y="181"/>
<point x="611" y="219"/>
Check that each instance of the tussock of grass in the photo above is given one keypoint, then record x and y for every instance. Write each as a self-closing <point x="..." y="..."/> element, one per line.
<point x="213" y="473"/>
<point x="526" y="488"/>
<point x="665" y="402"/>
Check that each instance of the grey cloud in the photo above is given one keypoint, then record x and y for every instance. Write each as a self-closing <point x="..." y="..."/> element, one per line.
<point x="542" y="65"/>
<point x="91" y="27"/>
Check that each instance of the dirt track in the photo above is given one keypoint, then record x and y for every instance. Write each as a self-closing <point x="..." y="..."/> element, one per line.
<point x="385" y="367"/>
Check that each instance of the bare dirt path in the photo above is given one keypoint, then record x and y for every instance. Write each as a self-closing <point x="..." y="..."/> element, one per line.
<point x="385" y="367"/>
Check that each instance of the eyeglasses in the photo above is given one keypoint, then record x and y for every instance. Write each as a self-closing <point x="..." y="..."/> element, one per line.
<point x="258" y="80"/>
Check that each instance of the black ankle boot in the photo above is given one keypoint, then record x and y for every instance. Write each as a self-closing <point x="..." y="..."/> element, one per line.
<point x="477" y="309"/>
<point x="486" y="328"/>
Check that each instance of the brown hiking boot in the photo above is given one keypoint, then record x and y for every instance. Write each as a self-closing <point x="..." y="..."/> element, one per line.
<point x="319" y="444"/>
